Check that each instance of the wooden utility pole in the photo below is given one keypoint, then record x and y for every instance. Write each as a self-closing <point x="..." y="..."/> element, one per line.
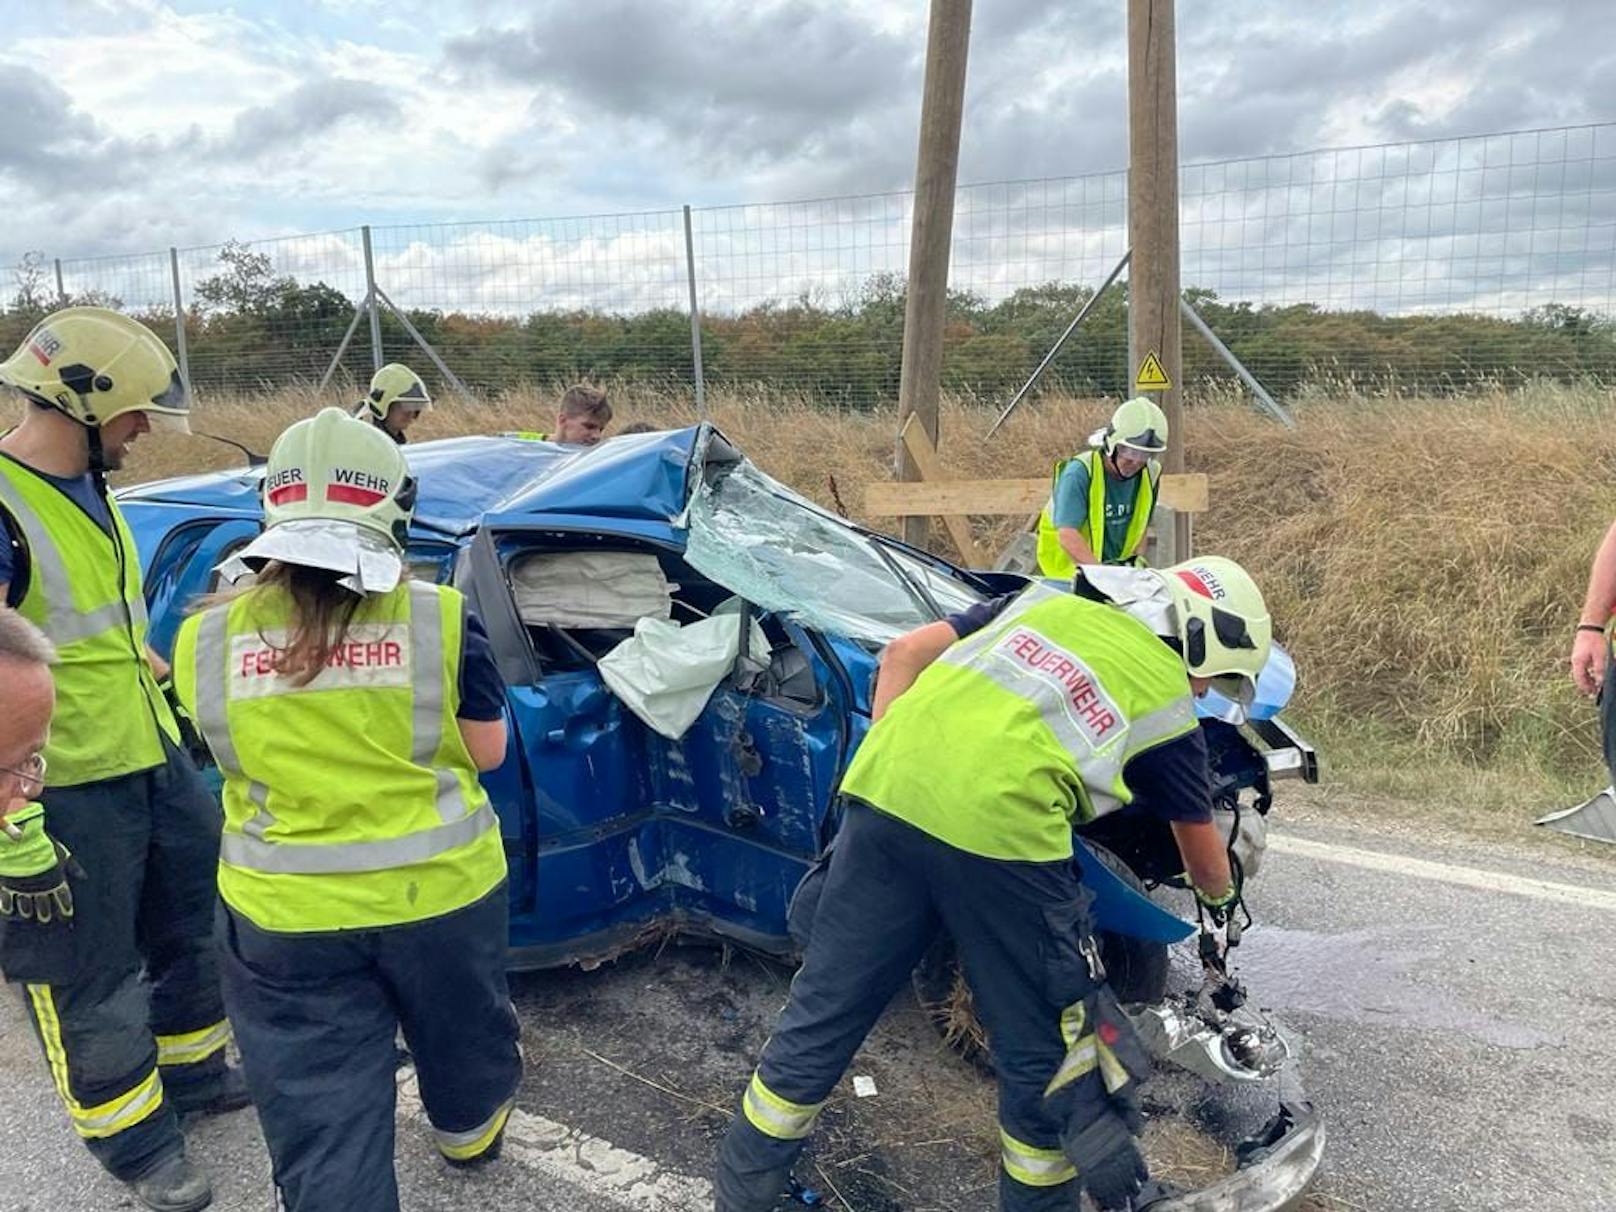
<point x="1153" y="287"/>
<point x="931" y="232"/>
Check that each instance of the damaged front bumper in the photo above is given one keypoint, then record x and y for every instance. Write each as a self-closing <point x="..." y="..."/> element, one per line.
<point x="1276" y="1164"/>
<point x="1236" y="1047"/>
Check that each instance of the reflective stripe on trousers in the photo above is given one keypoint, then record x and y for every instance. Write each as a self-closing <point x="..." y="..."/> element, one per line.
<point x="775" y="1116"/>
<point x="192" y="1046"/>
<point x="463" y="1146"/>
<point x="1034" y="1166"/>
<point x="102" y="1119"/>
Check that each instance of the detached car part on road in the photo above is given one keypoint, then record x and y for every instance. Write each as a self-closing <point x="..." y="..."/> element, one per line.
<point x="702" y="813"/>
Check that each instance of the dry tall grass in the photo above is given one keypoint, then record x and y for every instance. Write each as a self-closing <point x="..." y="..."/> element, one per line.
<point x="1423" y="559"/>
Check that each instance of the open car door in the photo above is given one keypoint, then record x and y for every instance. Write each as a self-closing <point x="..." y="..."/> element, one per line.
<point x="615" y="832"/>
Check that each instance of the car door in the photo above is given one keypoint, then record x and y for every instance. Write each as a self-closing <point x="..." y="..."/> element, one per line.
<point x="180" y="561"/>
<point x="625" y="832"/>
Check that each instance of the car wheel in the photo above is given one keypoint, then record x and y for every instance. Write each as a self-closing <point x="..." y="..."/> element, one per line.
<point x="1135" y="969"/>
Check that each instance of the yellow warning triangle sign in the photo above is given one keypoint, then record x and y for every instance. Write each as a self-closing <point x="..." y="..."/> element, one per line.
<point x="1152" y="375"/>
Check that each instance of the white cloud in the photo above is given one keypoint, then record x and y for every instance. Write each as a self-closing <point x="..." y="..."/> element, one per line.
<point x="135" y="126"/>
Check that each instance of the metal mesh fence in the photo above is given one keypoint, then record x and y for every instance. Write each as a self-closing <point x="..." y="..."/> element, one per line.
<point x="1420" y="266"/>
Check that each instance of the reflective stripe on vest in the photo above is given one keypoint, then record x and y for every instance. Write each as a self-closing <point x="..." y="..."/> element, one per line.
<point x="88" y="602"/>
<point x="1069" y="697"/>
<point x="251" y="849"/>
<point x="1025" y="728"/>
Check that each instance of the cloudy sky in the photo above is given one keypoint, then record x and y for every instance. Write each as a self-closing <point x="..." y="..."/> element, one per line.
<point x="136" y="124"/>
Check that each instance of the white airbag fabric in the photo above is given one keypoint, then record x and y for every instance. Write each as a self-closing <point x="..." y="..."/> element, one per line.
<point x="665" y="673"/>
<point x="590" y="589"/>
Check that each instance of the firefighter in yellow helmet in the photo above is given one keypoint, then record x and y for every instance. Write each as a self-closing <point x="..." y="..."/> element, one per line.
<point x="350" y="710"/>
<point x="995" y="730"/>
<point x="396" y="397"/>
<point x="1101" y="500"/>
<point x="124" y="993"/>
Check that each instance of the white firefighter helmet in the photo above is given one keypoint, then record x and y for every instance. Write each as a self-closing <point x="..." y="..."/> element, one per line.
<point x="93" y="364"/>
<point x="393" y="384"/>
<point x="1209" y="607"/>
<point x="337" y="495"/>
<point x="1138" y="423"/>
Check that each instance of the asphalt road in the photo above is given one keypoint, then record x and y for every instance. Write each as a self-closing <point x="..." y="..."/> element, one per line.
<point x="1452" y="1003"/>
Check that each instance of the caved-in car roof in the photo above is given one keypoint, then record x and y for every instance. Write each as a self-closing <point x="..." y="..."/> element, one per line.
<point x="645" y="476"/>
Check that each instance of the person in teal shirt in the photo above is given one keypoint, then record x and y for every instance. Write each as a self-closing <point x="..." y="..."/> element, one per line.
<point x="1069" y="532"/>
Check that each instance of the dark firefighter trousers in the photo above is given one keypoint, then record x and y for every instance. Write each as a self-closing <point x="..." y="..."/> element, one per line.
<point x="316" y="1017"/>
<point x="1021" y="930"/>
<point x="126" y="1001"/>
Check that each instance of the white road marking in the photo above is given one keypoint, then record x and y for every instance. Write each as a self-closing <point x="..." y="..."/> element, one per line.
<point x="598" y="1168"/>
<point x="1448" y="873"/>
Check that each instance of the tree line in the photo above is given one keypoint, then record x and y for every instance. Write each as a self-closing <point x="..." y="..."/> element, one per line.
<point x="249" y="328"/>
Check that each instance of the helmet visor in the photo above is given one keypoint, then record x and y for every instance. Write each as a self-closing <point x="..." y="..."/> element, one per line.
<point x="171" y="407"/>
<point x="1144" y="444"/>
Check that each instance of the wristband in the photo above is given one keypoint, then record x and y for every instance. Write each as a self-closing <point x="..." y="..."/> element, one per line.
<point x="1591" y="627"/>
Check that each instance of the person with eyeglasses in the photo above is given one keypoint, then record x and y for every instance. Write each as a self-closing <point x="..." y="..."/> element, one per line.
<point x="130" y="1017"/>
<point x="995" y="730"/>
<point x="1101" y="500"/>
<point x="362" y="872"/>
<point x="37" y="872"/>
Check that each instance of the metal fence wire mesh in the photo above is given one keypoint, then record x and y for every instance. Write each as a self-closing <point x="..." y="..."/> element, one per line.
<point x="1431" y="266"/>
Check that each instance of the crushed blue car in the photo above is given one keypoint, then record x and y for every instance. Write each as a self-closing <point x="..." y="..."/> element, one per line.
<point x="613" y="831"/>
<point x="619" y="830"/>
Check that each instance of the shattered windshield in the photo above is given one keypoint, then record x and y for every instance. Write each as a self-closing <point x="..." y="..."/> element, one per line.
<point x="782" y="552"/>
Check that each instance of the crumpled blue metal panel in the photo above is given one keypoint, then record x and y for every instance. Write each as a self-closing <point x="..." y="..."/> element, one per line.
<point x="461" y="479"/>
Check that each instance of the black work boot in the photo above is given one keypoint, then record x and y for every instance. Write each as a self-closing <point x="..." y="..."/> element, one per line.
<point x="173" y="1185"/>
<point x="487" y="1155"/>
<point x="229" y="1093"/>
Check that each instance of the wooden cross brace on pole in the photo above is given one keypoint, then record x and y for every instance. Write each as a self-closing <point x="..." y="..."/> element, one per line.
<point x="930" y="467"/>
<point x="935" y="495"/>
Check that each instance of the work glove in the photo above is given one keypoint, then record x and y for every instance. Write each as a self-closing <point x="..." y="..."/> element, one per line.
<point x="1106" y="1153"/>
<point x="34" y="871"/>
<point x="1221" y="908"/>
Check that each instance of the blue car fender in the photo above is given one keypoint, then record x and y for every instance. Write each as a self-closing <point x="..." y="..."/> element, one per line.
<point x="1123" y="910"/>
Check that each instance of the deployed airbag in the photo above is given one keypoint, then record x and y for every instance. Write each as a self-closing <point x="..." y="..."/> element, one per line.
<point x="602" y="589"/>
<point x="665" y="673"/>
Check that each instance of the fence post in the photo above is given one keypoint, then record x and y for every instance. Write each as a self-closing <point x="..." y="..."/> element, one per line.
<point x="695" y="318"/>
<point x="370" y="302"/>
<point x="1235" y="364"/>
<point x="179" y="319"/>
<point x="61" y="291"/>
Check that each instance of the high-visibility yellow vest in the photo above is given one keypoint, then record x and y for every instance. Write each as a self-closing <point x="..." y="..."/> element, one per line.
<point x="1052" y="558"/>
<point x="84" y="592"/>
<point x="1023" y="728"/>
<point x="351" y="802"/>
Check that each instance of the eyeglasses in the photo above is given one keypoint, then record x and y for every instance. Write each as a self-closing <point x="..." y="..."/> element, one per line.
<point x="30" y="774"/>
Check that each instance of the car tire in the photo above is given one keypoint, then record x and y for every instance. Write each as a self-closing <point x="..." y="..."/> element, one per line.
<point x="1135" y="969"/>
